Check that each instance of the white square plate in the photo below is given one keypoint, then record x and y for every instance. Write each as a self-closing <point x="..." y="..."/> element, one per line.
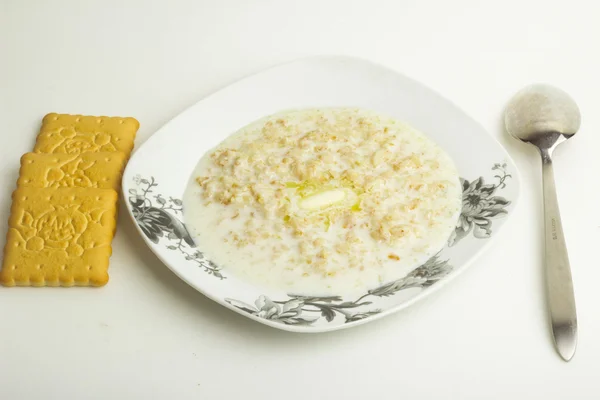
<point x="157" y="174"/>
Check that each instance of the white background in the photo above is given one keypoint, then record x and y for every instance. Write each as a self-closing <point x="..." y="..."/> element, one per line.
<point x="148" y="335"/>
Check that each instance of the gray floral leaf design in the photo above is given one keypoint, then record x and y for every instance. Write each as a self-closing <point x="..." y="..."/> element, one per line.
<point x="312" y="299"/>
<point x="289" y="312"/>
<point x="177" y="202"/>
<point x="328" y="313"/>
<point x="243" y="306"/>
<point x="480" y="206"/>
<point x="359" y="316"/>
<point x="158" y="221"/>
<point x="424" y="276"/>
<point x="300" y="310"/>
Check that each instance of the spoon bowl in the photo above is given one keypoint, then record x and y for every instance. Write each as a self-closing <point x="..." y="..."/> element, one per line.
<point x="543" y="116"/>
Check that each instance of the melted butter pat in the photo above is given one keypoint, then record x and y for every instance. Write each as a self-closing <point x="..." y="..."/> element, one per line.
<point x="323" y="200"/>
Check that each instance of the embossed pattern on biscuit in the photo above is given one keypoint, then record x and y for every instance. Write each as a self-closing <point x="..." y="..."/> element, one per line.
<point x="85" y="170"/>
<point x="59" y="237"/>
<point x="75" y="134"/>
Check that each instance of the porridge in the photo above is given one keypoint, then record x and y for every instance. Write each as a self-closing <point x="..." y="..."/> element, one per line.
<point x="323" y="201"/>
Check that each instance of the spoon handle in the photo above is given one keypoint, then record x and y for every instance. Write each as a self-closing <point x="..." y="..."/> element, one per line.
<point x="559" y="284"/>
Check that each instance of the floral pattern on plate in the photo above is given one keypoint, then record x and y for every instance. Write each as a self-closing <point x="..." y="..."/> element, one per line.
<point x="480" y="206"/>
<point x="158" y="220"/>
<point x="305" y="310"/>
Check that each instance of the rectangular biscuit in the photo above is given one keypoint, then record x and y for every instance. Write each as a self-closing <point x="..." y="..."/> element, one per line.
<point x="59" y="237"/>
<point x="74" y="134"/>
<point x="86" y="170"/>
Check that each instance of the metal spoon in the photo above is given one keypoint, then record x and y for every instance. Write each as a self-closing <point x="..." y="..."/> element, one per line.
<point x="545" y="116"/>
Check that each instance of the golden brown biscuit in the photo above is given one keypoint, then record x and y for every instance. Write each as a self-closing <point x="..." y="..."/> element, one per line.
<point x="74" y="134"/>
<point x="85" y="170"/>
<point x="59" y="237"/>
